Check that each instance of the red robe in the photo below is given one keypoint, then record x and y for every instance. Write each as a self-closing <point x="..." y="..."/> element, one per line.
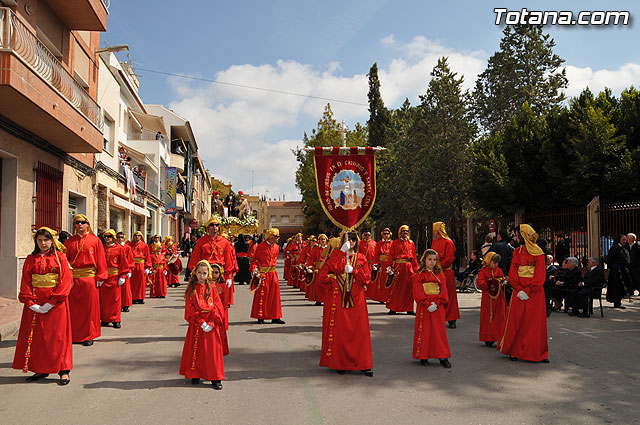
<point x="294" y="253"/>
<point x="525" y="331"/>
<point x="446" y="252"/>
<point x="302" y="277"/>
<point x="287" y="262"/>
<point x="85" y="252"/>
<point x="202" y="354"/>
<point x="215" y="251"/>
<point x="50" y="347"/>
<point x="376" y="289"/>
<point x="220" y="286"/>
<point x="346" y="338"/>
<point x="405" y="263"/>
<point x="430" y="334"/>
<point x="493" y="310"/>
<point x="110" y="291"/>
<point x="142" y="262"/>
<point x="158" y="276"/>
<point x="266" y="299"/>
<point x="126" y="295"/>
<point x="230" y="290"/>
<point x="317" y="261"/>
<point x="368" y="249"/>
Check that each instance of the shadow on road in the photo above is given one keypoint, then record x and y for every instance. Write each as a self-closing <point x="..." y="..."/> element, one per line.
<point x="276" y="329"/>
<point x="140" y="385"/>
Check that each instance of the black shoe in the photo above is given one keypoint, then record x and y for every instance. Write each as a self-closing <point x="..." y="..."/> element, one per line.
<point x="87" y="343"/>
<point x="381" y="302"/>
<point x="65" y="381"/>
<point x="141" y="302"/>
<point x="621" y="307"/>
<point x="583" y="315"/>
<point x="544" y="361"/>
<point x="104" y="324"/>
<point x="392" y="312"/>
<point x="217" y="385"/>
<point x="411" y="313"/>
<point x="489" y="343"/>
<point x="260" y="321"/>
<point x="124" y="309"/>
<point x="136" y="302"/>
<point x="513" y="359"/>
<point x="117" y="325"/>
<point x="368" y="373"/>
<point x="278" y="321"/>
<point x="340" y="372"/>
<point x="572" y="313"/>
<point x="424" y="362"/>
<point x="445" y="363"/>
<point x="37" y="377"/>
<point x="318" y="303"/>
<point x="452" y="324"/>
<point x="195" y="381"/>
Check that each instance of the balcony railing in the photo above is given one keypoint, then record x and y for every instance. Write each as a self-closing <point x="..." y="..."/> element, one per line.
<point x="18" y="39"/>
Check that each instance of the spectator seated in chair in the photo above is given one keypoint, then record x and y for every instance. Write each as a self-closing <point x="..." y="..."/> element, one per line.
<point x="592" y="282"/>
<point x="474" y="265"/>
<point x="565" y="283"/>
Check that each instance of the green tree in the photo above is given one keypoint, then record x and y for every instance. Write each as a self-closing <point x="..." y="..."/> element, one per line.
<point x="525" y="69"/>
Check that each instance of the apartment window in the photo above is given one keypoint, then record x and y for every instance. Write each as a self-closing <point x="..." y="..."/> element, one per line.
<point x="109" y="129"/>
<point x="273" y="219"/>
<point x="48" y="197"/>
<point x="77" y="205"/>
<point x="284" y="219"/>
<point x="299" y="219"/>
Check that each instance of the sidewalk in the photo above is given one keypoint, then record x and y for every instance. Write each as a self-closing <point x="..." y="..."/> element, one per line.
<point x="10" y="312"/>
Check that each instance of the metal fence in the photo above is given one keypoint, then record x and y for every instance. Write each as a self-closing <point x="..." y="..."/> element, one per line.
<point x="554" y="225"/>
<point x="617" y="219"/>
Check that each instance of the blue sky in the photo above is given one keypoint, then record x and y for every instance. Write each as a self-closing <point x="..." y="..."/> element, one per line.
<point x="325" y="49"/>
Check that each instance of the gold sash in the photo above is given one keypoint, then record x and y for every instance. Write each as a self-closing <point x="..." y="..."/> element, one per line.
<point x="267" y="269"/>
<point x="383" y="257"/>
<point x="431" y="288"/>
<point x="48" y="280"/>
<point x="402" y="260"/>
<point x="112" y="271"/>
<point x="85" y="272"/>
<point x="137" y="260"/>
<point x="526" y="271"/>
<point x="158" y="266"/>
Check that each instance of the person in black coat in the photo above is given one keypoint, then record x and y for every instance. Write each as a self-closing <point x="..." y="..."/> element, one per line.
<point x="634" y="261"/>
<point x="592" y="282"/>
<point x="242" y="257"/>
<point x="619" y="277"/>
<point x="550" y="279"/>
<point x="563" y="247"/>
<point x="568" y="282"/>
<point x="501" y="247"/>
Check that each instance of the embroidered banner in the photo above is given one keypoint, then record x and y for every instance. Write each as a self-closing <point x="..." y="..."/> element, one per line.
<point x="171" y="180"/>
<point x="346" y="184"/>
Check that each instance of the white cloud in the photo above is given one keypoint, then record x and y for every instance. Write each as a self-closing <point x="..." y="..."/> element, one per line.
<point x="617" y="80"/>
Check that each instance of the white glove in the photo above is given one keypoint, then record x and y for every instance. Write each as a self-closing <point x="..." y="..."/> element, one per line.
<point x="165" y="272"/>
<point x="389" y="270"/>
<point x="256" y="272"/>
<point x="46" y="307"/>
<point x="206" y="327"/>
<point x="229" y="283"/>
<point x="147" y="271"/>
<point x="309" y="270"/>
<point x="121" y="281"/>
<point x="37" y="308"/>
<point x="348" y="268"/>
<point x="433" y="307"/>
<point x="345" y="247"/>
<point x="99" y="282"/>
<point x="129" y="275"/>
<point x="375" y="267"/>
<point x="523" y="295"/>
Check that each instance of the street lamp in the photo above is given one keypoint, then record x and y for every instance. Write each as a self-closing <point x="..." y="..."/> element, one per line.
<point x="114" y="48"/>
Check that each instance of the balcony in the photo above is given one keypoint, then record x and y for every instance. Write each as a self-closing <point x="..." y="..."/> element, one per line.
<point x="89" y="15"/>
<point x="39" y="94"/>
<point x="177" y="161"/>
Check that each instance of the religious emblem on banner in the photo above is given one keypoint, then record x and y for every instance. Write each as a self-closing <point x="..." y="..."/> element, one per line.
<point x="346" y="184"/>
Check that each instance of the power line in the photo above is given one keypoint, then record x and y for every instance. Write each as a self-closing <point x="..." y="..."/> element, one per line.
<point x="250" y="87"/>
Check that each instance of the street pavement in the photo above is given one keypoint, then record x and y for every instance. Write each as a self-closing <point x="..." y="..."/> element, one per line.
<point x="130" y="375"/>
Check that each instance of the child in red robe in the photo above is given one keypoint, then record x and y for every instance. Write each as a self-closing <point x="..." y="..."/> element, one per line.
<point x="217" y="277"/>
<point x="202" y="355"/>
<point x="430" y="293"/>
<point x="493" y="307"/>
<point x="44" y="339"/>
